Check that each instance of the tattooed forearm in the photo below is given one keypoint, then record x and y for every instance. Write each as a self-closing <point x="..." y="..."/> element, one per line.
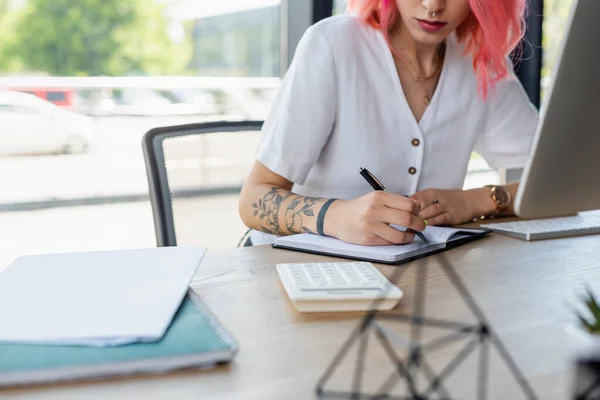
<point x="299" y="213"/>
<point x="268" y="207"/>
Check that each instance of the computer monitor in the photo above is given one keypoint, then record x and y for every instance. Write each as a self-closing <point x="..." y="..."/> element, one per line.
<point x="562" y="174"/>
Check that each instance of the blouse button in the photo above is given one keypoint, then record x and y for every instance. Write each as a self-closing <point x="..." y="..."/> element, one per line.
<point x="416" y="142"/>
<point x="412" y="170"/>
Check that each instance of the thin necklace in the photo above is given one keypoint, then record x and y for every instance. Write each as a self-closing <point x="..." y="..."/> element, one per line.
<point x="417" y="78"/>
<point x="421" y="79"/>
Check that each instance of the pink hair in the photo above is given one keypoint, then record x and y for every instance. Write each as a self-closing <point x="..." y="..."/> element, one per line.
<point x="491" y="32"/>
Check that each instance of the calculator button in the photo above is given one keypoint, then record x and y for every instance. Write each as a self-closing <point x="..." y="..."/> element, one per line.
<point x="338" y="280"/>
<point x="372" y="277"/>
<point x="332" y="273"/>
<point x="301" y="282"/>
<point x="315" y="274"/>
<point x="353" y="278"/>
<point x="369" y="274"/>
<point x="299" y="278"/>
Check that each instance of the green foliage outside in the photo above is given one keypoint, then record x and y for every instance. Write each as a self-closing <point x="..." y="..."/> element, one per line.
<point x="8" y="34"/>
<point x="89" y="38"/>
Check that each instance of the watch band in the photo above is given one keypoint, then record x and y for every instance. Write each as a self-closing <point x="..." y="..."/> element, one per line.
<point x="500" y="205"/>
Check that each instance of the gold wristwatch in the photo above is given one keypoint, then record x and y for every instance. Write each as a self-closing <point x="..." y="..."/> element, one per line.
<point x="501" y="197"/>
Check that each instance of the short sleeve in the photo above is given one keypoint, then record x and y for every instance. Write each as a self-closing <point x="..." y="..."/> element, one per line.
<point x="302" y="115"/>
<point x="510" y="126"/>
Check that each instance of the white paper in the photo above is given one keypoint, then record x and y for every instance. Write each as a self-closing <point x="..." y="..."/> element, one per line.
<point x="103" y="298"/>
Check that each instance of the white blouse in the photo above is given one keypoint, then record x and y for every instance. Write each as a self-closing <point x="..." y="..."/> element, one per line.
<point x="341" y="107"/>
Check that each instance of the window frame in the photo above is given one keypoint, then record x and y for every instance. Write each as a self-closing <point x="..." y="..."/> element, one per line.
<point x="296" y="17"/>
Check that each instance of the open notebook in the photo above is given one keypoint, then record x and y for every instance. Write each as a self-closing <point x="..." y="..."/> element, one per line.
<point x="439" y="238"/>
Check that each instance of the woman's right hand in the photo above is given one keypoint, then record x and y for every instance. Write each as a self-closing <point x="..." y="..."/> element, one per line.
<point x="366" y="220"/>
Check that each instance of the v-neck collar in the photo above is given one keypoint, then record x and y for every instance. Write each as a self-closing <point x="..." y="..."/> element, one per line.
<point x="398" y="84"/>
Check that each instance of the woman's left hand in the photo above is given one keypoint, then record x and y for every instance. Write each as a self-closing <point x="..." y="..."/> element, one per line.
<point x="452" y="207"/>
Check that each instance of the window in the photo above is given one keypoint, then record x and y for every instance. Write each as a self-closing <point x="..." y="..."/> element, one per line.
<point x="339" y="6"/>
<point x="242" y="43"/>
<point x="556" y="13"/>
<point x="56" y="97"/>
<point x="199" y="61"/>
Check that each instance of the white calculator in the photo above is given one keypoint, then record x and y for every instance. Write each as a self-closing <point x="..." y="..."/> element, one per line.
<point x="337" y="286"/>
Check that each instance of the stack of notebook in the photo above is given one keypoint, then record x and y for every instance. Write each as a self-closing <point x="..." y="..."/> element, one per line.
<point x="92" y="314"/>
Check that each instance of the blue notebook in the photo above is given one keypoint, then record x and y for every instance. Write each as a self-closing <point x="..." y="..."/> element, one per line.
<point x="194" y="339"/>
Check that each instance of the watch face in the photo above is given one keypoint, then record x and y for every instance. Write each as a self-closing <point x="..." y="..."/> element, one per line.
<point x="502" y="196"/>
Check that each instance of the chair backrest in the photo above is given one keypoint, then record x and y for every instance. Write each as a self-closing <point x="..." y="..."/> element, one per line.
<point x="195" y="173"/>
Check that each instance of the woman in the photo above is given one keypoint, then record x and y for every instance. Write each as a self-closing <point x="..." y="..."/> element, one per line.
<point x="407" y="89"/>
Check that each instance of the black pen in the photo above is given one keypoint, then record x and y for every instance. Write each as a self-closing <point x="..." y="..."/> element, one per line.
<point x="377" y="185"/>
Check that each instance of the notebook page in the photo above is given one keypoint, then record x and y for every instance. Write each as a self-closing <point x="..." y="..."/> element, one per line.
<point x="438" y="234"/>
<point x="331" y="245"/>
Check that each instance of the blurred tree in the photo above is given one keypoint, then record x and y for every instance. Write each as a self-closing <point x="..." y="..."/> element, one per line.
<point x="8" y="62"/>
<point x="97" y="37"/>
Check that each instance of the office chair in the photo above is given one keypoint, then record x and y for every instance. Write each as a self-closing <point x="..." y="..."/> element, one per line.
<point x="195" y="173"/>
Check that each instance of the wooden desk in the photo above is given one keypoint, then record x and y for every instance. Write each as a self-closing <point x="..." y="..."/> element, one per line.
<point x="524" y="288"/>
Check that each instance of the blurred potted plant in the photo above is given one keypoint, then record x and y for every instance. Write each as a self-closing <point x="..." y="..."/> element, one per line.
<point x="587" y="359"/>
<point x="589" y="321"/>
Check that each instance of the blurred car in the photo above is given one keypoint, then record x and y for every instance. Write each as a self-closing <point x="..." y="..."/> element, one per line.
<point x="192" y="100"/>
<point x="94" y="101"/>
<point x="153" y="102"/>
<point x="139" y="101"/>
<point x="30" y="125"/>
<point x="62" y="97"/>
